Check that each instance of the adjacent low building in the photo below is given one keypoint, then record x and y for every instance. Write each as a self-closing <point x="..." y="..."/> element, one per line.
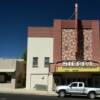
<point x="9" y="71"/>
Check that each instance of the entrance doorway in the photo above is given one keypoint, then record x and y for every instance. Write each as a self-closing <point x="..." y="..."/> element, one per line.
<point x="96" y="80"/>
<point x="65" y="79"/>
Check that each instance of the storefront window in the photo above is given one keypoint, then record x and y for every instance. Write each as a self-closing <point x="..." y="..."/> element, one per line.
<point x="2" y="78"/>
<point x="5" y="78"/>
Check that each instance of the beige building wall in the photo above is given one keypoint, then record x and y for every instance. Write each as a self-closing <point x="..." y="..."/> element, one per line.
<point x="8" y="85"/>
<point x="8" y="66"/>
<point x="38" y="47"/>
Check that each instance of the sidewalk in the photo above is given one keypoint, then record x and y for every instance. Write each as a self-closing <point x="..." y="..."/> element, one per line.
<point x="28" y="92"/>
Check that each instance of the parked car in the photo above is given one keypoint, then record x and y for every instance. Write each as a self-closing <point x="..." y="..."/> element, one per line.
<point x="77" y="88"/>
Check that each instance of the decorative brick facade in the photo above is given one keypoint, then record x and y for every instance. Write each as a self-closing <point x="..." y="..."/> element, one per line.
<point x="69" y="44"/>
<point x="88" y="44"/>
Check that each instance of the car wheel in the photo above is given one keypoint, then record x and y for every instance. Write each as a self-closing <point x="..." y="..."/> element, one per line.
<point x="92" y="95"/>
<point x="62" y="93"/>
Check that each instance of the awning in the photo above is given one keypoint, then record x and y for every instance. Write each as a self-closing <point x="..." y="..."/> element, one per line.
<point x="7" y="70"/>
<point x="7" y="65"/>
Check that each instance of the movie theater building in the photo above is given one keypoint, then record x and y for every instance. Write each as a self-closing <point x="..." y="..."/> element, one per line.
<point x="63" y="53"/>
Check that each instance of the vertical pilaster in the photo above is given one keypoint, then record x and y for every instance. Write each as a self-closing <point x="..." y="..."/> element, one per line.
<point x="96" y="40"/>
<point x="50" y="82"/>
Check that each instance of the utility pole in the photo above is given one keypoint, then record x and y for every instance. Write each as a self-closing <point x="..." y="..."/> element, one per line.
<point x="76" y="24"/>
<point x="76" y="10"/>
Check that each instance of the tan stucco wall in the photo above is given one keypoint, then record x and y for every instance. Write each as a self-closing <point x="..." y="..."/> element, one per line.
<point x="38" y="47"/>
<point x="8" y="85"/>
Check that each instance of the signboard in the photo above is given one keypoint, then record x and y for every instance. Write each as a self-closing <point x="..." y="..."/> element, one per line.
<point x="77" y="69"/>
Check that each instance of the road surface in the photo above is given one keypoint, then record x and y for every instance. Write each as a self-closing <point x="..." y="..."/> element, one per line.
<point x="6" y="96"/>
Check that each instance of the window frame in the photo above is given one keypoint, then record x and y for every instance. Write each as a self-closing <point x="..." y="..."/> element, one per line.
<point x="80" y="85"/>
<point x="46" y="64"/>
<point x="72" y="85"/>
<point x="35" y="63"/>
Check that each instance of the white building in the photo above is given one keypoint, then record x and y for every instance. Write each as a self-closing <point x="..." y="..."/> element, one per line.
<point x="39" y="55"/>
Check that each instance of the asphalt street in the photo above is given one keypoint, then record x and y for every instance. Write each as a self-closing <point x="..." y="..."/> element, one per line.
<point x="6" y="96"/>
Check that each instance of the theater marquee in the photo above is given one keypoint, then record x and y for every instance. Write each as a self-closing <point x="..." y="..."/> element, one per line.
<point x="78" y="69"/>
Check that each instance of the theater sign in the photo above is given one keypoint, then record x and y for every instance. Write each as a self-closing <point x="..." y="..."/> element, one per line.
<point x="78" y="67"/>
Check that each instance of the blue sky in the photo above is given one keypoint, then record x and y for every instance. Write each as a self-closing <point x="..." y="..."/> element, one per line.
<point x="17" y="15"/>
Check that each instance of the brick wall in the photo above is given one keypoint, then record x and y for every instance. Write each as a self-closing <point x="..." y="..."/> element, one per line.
<point x="70" y="41"/>
<point x="87" y="44"/>
<point x="68" y="44"/>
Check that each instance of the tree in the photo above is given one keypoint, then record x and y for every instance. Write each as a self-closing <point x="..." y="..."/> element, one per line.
<point x="21" y="73"/>
<point x="24" y="56"/>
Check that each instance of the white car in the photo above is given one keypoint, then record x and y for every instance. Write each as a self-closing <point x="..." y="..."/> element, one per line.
<point x="77" y="88"/>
